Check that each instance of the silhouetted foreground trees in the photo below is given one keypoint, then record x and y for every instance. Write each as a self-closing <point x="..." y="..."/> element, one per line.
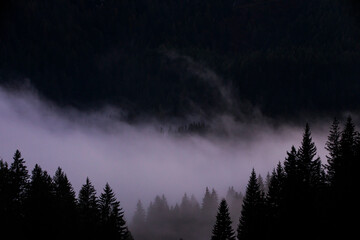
<point x="301" y="199"/>
<point x="42" y="206"/>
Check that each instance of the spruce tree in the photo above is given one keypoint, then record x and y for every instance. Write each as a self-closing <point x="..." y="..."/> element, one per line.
<point x="19" y="177"/>
<point x="19" y="180"/>
<point x="274" y="201"/>
<point x="112" y="217"/>
<point x="347" y="148"/>
<point x="40" y="203"/>
<point x="222" y="229"/>
<point x="65" y="203"/>
<point x="248" y="227"/>
<point x="88" y="211"/>
<point x="309" y="166"/>
<point x="334" y="153"/>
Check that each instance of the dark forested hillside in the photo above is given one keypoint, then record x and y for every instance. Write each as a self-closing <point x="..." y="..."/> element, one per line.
<point x="155" y="57"/>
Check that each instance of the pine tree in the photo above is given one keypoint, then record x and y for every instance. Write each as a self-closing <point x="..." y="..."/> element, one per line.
<point x="309" y="166"/>
<point x="347" y="148"/>
<point x="40" y="203"/>
<point x="65" y="203"/>
<point x="19" y="180"/>
<point x="274" y="200"/>
<point x="334" y="153"/>
<point x="222" y="229"/>
<point x="112" y="217"/>
<point x="19" y="177"/>
<point x="248" y="227"/>
<point x="88" y="211"/>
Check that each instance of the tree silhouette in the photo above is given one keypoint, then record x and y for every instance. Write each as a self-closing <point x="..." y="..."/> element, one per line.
<point x="111" y="215"/>
<point x="19" y="180"/>
<point x="334" y="153"/>
<point x="65" y="205"/>
<point x="250" y="219"/>
<point x="309" y="166"/>
<point x="88" y="211"/>
<point x="222" y="229"/>
<point x="40" y="203"/>
<point x="19" y="177"/>
<point x="274" y="201"/>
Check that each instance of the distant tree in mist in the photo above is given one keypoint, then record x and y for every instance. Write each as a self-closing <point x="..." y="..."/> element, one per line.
<point x="222" y="229"/>
<point x="138" y="224"/>
<point x="234" y="200"/>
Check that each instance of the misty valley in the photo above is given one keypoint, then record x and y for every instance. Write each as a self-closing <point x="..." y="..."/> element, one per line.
<point x="301" y="195"/>
<point x="179" y="120"/>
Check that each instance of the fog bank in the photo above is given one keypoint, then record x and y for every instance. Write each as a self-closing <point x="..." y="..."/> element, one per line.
<point x="138" y="160"/>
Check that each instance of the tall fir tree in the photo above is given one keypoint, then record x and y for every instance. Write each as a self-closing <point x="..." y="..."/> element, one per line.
<point x="347" y="145"/>
<point x="88" y="211"/>
<point x="19" y="177"/>
<point x="309" y="166"/>
<point x="65" y="205"/>
<point x="222" y="229"/>
<point x="40" y="204"/>
<point x="274" y="201"/>
<point x="19" y="182"/>
<point x="251" y="215"/>
<point x="113" y="224"/>
<point x="334" y="153"/>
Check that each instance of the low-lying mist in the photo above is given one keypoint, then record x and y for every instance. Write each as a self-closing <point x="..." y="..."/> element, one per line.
<point x="143" y="160"/>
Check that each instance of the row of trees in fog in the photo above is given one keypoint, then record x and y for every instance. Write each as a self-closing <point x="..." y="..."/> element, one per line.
<point x="42" y="206"/>
<point x="301" y="198"/>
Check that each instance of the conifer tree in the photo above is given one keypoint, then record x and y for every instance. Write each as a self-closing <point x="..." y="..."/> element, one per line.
<point x="88" y="210"/>
<point x="248" y="227"/>
<point x="222" y="229"/>
<point x="309" y="166"/>
<point x="138" y="225"/>
<point x="347" y="146"/>
<point x="40" y="203"/>
<point x="19" y="180"/>
<point x="334" y="153"/>
<point x="112" y="217"/>
<point x="274" y="200"/>
<point x="65" y="203"/>
<point x="19" y="177"/>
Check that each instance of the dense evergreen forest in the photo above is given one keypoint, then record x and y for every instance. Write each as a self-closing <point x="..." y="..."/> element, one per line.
<point x="302" y="198"/>
<point x="168" y="58"/>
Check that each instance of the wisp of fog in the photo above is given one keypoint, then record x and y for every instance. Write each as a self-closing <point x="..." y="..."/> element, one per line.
<point x="138" y="160"/>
